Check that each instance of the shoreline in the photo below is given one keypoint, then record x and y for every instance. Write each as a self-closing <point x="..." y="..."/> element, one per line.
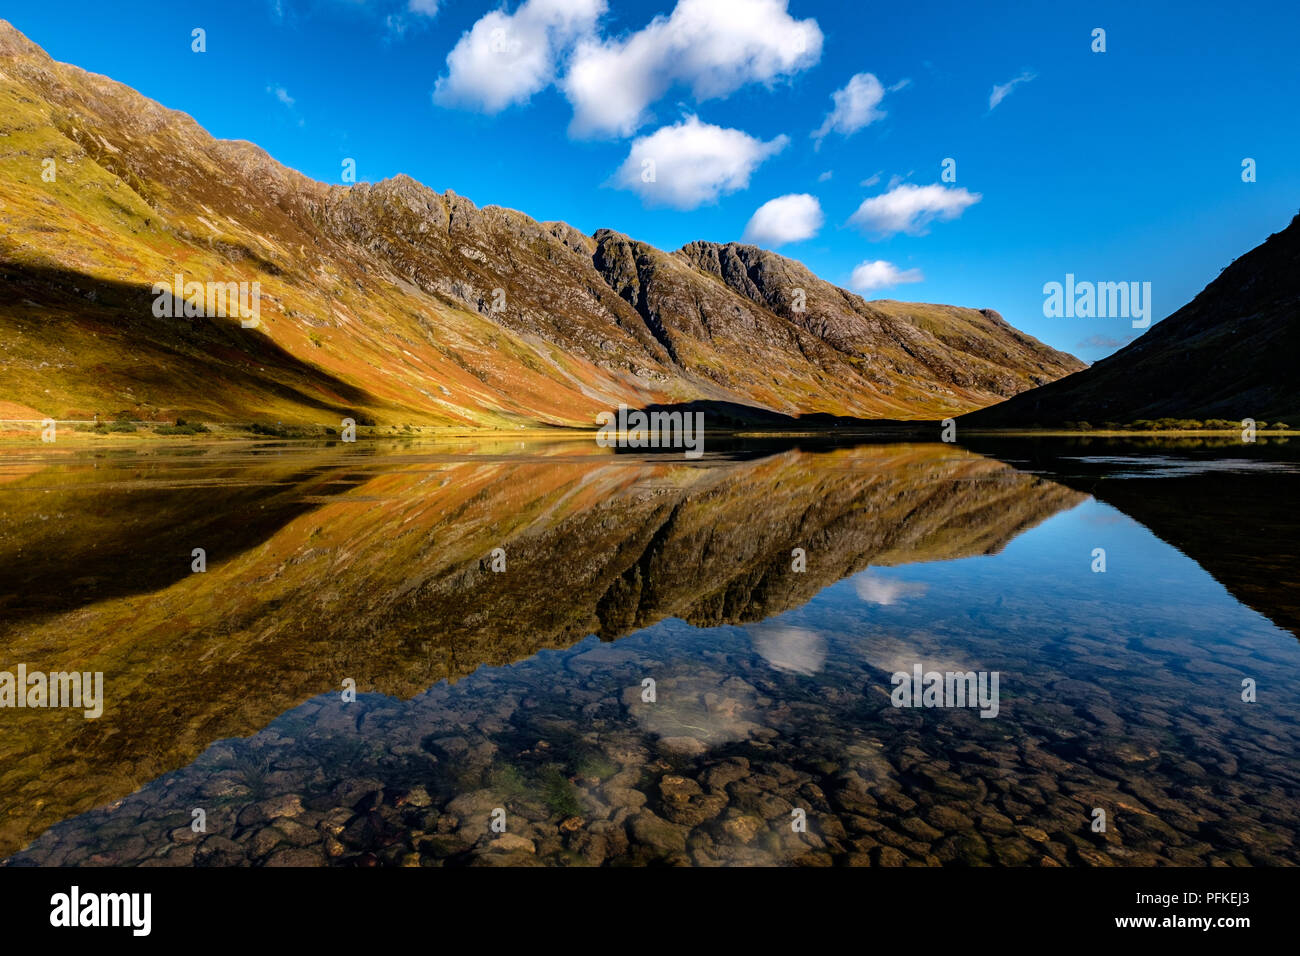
<point x="225" y="433"/>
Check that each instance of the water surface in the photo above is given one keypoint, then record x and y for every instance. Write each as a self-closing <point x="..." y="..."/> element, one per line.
<point x="768" y="594"/>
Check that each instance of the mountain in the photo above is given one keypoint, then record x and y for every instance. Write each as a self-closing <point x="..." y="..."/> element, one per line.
<point x="392" y="303"/>
<point x="1227" y="354"/>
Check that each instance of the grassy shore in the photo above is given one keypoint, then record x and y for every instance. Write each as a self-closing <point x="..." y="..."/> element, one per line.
<point x="1131" y="432"/>
<point x="115" y="433"/>
<point x="126" y="433"/>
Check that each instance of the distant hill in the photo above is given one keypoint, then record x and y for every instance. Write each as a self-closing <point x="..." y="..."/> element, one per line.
<point x="1230" y="353"/>
<point x="392" y="303"/>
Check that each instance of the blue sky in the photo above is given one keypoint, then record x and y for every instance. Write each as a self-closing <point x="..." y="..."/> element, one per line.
<point x="1123" y="165"/>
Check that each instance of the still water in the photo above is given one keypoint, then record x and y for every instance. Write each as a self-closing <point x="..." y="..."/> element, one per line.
<point x="567" y="656"/>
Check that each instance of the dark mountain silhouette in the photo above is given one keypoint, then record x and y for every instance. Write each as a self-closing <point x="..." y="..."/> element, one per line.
<point x="1230" y="353"/>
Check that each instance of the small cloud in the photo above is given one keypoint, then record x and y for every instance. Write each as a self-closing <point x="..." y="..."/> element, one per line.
<point x="855" y="107"/>
<point x="281" y="94"/>
<point x="791" y="218"/>
<point x="791" y="649"/>
<point x="900" y="85"/>
<point x="870" y="276"/>
<point x="870" y="180"/>
<point x="691" y="163"/>
<point x="886" y="591"/>
<point x="1003" y="90"/>
<point x="395" y="25"/>
<point x="416" y="14"/>
<point x="909" y="208"/>
<point x="826" y="176"/>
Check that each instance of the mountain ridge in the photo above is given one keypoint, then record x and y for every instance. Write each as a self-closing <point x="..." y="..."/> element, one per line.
<point x="393" y="303"/>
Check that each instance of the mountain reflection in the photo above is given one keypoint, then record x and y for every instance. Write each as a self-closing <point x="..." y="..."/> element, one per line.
<point x="380" y="571"/>
<point x="722" y="688"/>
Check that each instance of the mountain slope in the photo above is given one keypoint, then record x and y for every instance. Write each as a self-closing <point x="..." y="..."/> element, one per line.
<point x="1229" y="353"/>
<point x="391" y="302"/>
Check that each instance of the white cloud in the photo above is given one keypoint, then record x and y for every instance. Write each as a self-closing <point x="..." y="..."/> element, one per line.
<point x="791" y="218"/>
<point x="690" y="163"/>
<point x="826" y="176"/>
<point x="416" y="12"/>
<point x="395" y="25"/>
<point x="712" y="46"/>
<point x="1002" y="91"/>
<point x="870" y="180"/>
<point x="281" y="94"/>
<point x="792" y="649"/>
<point x="503" y="59"/>
<point x="886" y="591"/>
<point x="910" y="208"/>
<point x="855" y="107"/>
<point x="869" y="276"/>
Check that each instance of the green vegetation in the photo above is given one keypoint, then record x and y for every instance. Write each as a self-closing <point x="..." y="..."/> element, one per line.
<point x="506" y="780"/>
<point x="252" y="772"/>
<point x="271" y="431"/>
<point x="1173" y="425"/>
<point x="595" y="766"/>
<point x="558" y="792"/>
<point x="182" y="427"/>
